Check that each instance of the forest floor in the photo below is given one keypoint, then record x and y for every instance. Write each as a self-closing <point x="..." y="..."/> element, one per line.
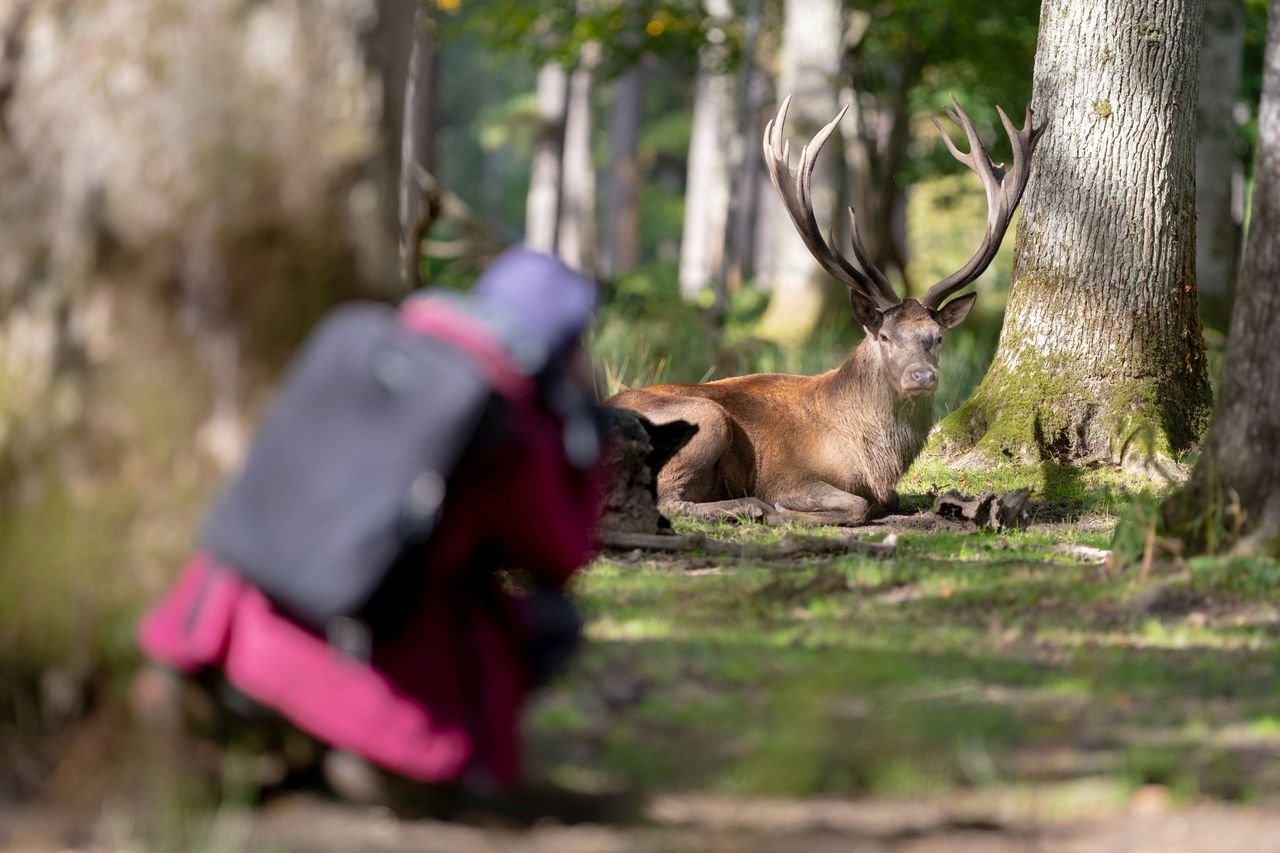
<point x="978" y="690"/>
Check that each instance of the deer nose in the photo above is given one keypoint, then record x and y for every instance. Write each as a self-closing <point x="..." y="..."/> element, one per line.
<point x="924" y="377"/>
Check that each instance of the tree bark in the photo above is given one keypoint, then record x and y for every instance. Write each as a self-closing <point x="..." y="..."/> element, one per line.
<point x="418" y="140"/>
<point x="810" y="70"/>
<point x="576" y="242"/>
<point x="877" y="138"/>
<point x="1101" y="350"/>
<point x="744" y="201"/>
<point x="706" y="197"/>
<point x="187" y="187"/>
<point x="1218" y="160"/>
<point x="1233" y="497"/>
<point x="624" y="173"/>
<point x="542" y="209"/>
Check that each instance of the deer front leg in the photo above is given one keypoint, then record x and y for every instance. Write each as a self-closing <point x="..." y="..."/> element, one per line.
<point x="750" y="509"/>
<point x="691" y="483"/>
<point x="823" y="503"/>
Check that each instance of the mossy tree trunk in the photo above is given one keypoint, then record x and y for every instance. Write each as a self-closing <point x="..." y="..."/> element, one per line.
<point x="1101" y="352"/>
<point x="1234" y="492"/>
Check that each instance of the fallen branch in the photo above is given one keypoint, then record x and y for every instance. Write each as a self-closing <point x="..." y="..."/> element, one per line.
<point x="1083" y="552"/>
<point x="791" y="546"/>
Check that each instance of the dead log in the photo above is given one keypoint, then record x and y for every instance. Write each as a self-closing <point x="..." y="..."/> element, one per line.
<point x="997" y="511"/>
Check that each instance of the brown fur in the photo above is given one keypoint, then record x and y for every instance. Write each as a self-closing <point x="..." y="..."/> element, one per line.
<point x="825" y="449"/>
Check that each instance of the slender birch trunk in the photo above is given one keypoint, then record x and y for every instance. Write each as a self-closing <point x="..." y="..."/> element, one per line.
<point x="706" y="206"/>
<point x="576" y="240"/>
<point x="542" y="208"/>
<point x="810" y="71"/>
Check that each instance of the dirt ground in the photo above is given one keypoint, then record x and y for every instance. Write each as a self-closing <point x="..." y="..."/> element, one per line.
<point x="702" y="823"/>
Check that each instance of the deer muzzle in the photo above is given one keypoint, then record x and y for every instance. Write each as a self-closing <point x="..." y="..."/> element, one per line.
<point x="920" y="379"/>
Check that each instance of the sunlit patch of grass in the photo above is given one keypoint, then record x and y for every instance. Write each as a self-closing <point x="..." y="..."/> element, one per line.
<point x="1058" y="490"/>
<point x="952" y="664"/>
<point x="1255" y="577"/>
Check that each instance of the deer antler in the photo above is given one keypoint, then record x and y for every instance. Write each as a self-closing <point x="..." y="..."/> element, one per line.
<point x="1004" y="191"/>
<point x="797" y="198"/>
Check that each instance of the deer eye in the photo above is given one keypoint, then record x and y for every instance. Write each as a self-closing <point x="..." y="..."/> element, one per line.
<point x="884" y="339"/>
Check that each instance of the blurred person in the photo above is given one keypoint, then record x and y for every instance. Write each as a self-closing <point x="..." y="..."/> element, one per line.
<point x="387" y="573"/>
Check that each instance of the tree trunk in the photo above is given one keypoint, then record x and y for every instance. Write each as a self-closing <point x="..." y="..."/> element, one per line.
<point x="576" y="242"/>
<point x="187" y="187"/>
<point x="1217" y="160"/>
<point x="387" y="52"/>
<point x="624" y="173"/>
<point x="706" y="197"/>
<point x="745" y="197"/>
<point x="876" y="157"/>
<point x="1101" y="349"/>
<point x="542" y="209"/>
<point x="810" y="70"/>
<point x="418" y="140"/>
<point x="895" y="120"/>
<point x="1234" y="492"/>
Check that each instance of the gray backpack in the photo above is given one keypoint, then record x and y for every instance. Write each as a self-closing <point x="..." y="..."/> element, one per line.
<point x="349" y="472"/>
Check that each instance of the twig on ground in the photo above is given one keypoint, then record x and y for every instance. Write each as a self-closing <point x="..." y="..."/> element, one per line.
<point x="791" y="546"/>
<point x="1083" y="552"/>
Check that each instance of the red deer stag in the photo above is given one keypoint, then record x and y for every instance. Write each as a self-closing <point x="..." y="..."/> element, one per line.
<point x="830" y="449"/>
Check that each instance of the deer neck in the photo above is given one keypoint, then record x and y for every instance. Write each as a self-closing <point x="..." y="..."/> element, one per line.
<point x="885" y="429"/>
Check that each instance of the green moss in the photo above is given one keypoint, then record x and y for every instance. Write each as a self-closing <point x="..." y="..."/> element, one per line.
<point x="1062" y="408"/>
<point x="1058" y="489"/>
<point x="946" y="666"/>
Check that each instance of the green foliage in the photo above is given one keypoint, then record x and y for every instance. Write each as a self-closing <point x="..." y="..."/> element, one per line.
<point x="1255" y="40"/>
<point x="982" y="53"/>
<point x="559" y="31"/>
<point x="1136" y="531"/>
<point x="646" y="335"/>
<point x="1248" y="577"/>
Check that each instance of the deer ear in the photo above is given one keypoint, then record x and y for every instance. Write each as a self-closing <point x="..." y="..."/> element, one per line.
<point x="865" y="311"/>
<point x="953" y="313"/>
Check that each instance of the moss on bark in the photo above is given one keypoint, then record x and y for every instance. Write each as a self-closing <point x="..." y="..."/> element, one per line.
<point x="1050" y="408"/>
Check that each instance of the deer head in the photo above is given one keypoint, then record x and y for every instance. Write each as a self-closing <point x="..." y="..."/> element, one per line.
<point x="904" y="334"/>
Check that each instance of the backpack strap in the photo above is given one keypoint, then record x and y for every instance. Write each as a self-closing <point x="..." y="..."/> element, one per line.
<point x="446" y="320"/>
